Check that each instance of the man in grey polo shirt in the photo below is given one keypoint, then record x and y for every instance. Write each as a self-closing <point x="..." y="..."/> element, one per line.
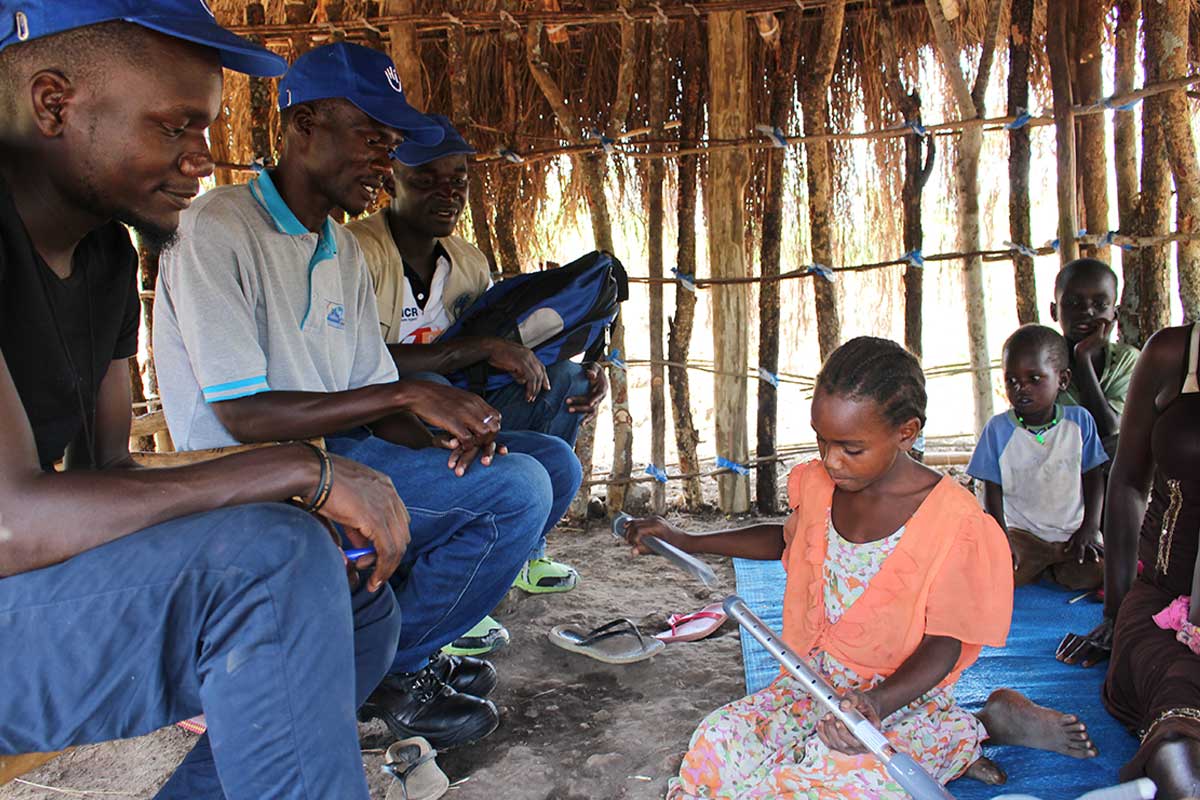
<point x="266" y="328"/>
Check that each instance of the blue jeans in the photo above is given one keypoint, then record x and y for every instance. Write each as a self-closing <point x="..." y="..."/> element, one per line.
<point x="470" y="536"/>
<point x="551" y="448"/>
<point x="548" y="412"/>
<point x="242" y="614"/>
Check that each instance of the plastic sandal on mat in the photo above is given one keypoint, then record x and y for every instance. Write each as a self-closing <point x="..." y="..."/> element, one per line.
<point x="694" y="626"/>
<point x="417" y="775"/>
<point x="616" y="642"/>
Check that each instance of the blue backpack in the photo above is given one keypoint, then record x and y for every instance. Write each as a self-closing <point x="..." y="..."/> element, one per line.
<point x="557" y="313"/>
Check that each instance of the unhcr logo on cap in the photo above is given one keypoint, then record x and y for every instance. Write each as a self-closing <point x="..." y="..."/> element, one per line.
<point x="393" y="78"/>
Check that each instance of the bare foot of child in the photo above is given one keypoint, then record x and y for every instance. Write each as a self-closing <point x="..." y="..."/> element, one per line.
<point x="1012" y="718"/>
<point x="987" y="771"/>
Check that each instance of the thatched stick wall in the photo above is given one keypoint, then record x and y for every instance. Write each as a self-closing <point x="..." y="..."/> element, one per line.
<point x="1126" y="165"/>
<point x="814" y="100"/>
<point x="728" y="79"/>
<point x="405" y="52"/>
<point x="1181" y="149"/>
<point x="679" y="344"/>
<point x="456" y="40"/>
<point x="918" y="164"/>
<point x="1019" y="224"/>
<point x="1064" y="128"/>
<point x="970" y="103"/>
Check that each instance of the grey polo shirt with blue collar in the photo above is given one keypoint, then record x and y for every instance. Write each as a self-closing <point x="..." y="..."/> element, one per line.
<point x="249" y="300"/>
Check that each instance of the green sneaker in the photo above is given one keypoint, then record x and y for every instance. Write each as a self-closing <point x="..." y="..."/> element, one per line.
<point x="486" y="637"/>
<point x="543" y="576"/>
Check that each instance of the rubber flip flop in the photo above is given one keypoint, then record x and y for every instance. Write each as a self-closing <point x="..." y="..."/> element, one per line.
<point x="417" y="775"/>
<point x="616" y="642"/>
<point x="694" y="626"/>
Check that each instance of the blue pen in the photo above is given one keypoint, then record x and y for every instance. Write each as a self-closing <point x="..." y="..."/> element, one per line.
<point x="356" y="554"/>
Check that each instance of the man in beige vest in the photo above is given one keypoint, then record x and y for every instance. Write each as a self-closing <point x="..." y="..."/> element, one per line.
<point x="425" y="277"/>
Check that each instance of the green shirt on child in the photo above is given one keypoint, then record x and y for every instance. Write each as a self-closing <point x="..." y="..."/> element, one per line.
<point x="1119" y="360"/>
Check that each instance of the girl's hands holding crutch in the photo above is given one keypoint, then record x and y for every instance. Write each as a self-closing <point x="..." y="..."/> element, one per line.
<point x="836" y="735"/>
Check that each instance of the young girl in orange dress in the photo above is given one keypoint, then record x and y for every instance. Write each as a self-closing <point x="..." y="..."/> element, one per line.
<point x="896" y="580"/>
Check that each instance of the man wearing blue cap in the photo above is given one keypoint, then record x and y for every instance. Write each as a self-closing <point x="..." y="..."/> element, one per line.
<point x="424" y="278"/>
<point x="131" y="599"/>
<point x="266" y="328"/>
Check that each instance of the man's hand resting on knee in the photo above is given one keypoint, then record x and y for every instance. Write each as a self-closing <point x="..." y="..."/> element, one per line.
<point x="364" y="502"/>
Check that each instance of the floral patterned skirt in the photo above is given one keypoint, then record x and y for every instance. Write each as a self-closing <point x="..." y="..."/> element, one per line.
<point x="765" y="746"/>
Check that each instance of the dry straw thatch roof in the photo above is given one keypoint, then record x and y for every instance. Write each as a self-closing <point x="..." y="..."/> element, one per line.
<point x="505" y="108"/>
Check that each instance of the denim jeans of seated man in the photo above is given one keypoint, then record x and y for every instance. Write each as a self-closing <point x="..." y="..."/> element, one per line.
<point x="548" y="412"/>
<point x="242" y="613"/>
<point x="552" y="451"/>
<point x="470" y="535"/>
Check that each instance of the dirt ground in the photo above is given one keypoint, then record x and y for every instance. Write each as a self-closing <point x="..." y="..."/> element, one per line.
<point x="572" y="728"/>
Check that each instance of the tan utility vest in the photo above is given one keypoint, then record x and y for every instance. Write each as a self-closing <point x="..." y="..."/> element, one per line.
<point x="468" y="278"/>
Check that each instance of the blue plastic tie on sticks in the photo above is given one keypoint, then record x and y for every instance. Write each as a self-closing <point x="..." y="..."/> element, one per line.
<point x="1108" y="238"/>
<point x="606" y="142"/>
<point x="915" y="258"/>
<point x="658" y="473"/>
<point x="1023" y="249"/>
<point x="768" y="376"/>
<point x="258" y="164"/>
<point x="1020" y="122"/>
<point x="1053" y="244"/>
<point x="686" y="279"/>
<point x="819" y="269"/>
<point x="732" y="466"/>
<point x="773" y="133"/>
<point x="1108" y="103"/>
<point x="918" y="128"/>
<point x="614" y="358"/>
<point x="511" y="155"/>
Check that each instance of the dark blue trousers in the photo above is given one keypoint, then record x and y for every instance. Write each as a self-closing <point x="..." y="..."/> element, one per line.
<point x="243" y="614"/>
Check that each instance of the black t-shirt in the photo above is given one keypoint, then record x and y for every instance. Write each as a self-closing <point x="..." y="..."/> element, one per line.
<point x="97" y="313"/>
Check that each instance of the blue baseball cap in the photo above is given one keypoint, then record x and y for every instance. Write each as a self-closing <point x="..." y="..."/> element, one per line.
<point x="191" y="20"/>
<point x="414" y="154"/>
<point x="365" y="77"/>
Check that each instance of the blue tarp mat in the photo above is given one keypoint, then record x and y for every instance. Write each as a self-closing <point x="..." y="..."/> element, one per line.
<point x="1041" y="616"/>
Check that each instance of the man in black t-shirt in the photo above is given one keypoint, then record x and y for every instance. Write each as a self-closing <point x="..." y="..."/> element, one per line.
<point x="130" y="599"/>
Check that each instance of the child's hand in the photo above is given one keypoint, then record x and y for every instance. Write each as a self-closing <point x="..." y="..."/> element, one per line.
<point x="1095" y="341"/>
<point x="836" y="735"/>
<point x="1085" y="546"/>
<point x="637" y="529"/>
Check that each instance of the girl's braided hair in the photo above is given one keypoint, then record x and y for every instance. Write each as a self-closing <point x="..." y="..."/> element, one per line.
<point x="869" y="368"/>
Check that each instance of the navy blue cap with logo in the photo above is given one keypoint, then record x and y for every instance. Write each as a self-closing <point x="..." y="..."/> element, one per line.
<point x="414" y="154"/>
<point x="365" y="77"/>
<point x="190" y="20"/>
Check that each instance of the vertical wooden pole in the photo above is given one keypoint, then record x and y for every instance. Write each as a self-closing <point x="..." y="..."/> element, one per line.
<point x="1064" y="129"/>
<point x="729" y="171"/>
<point x="405" y="50"/>
<point x="919" y="153"/>
<point x="658" y="406"/>
<point x="510" y="176"/>
<point x="1154" y="200"/>
<point x="783" y="84"/>
<point x="1092" y="156"/>
<point x="1019" y="223"/>
<point x="456" y="39"/>
<point x="1181" y="147"/>
<point x="970" y="104"/>
<point x="1125" y="161"/>
<point x="814" y="99"/>
<point x="679" y="344"/>
<point x="261" y="98"/>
